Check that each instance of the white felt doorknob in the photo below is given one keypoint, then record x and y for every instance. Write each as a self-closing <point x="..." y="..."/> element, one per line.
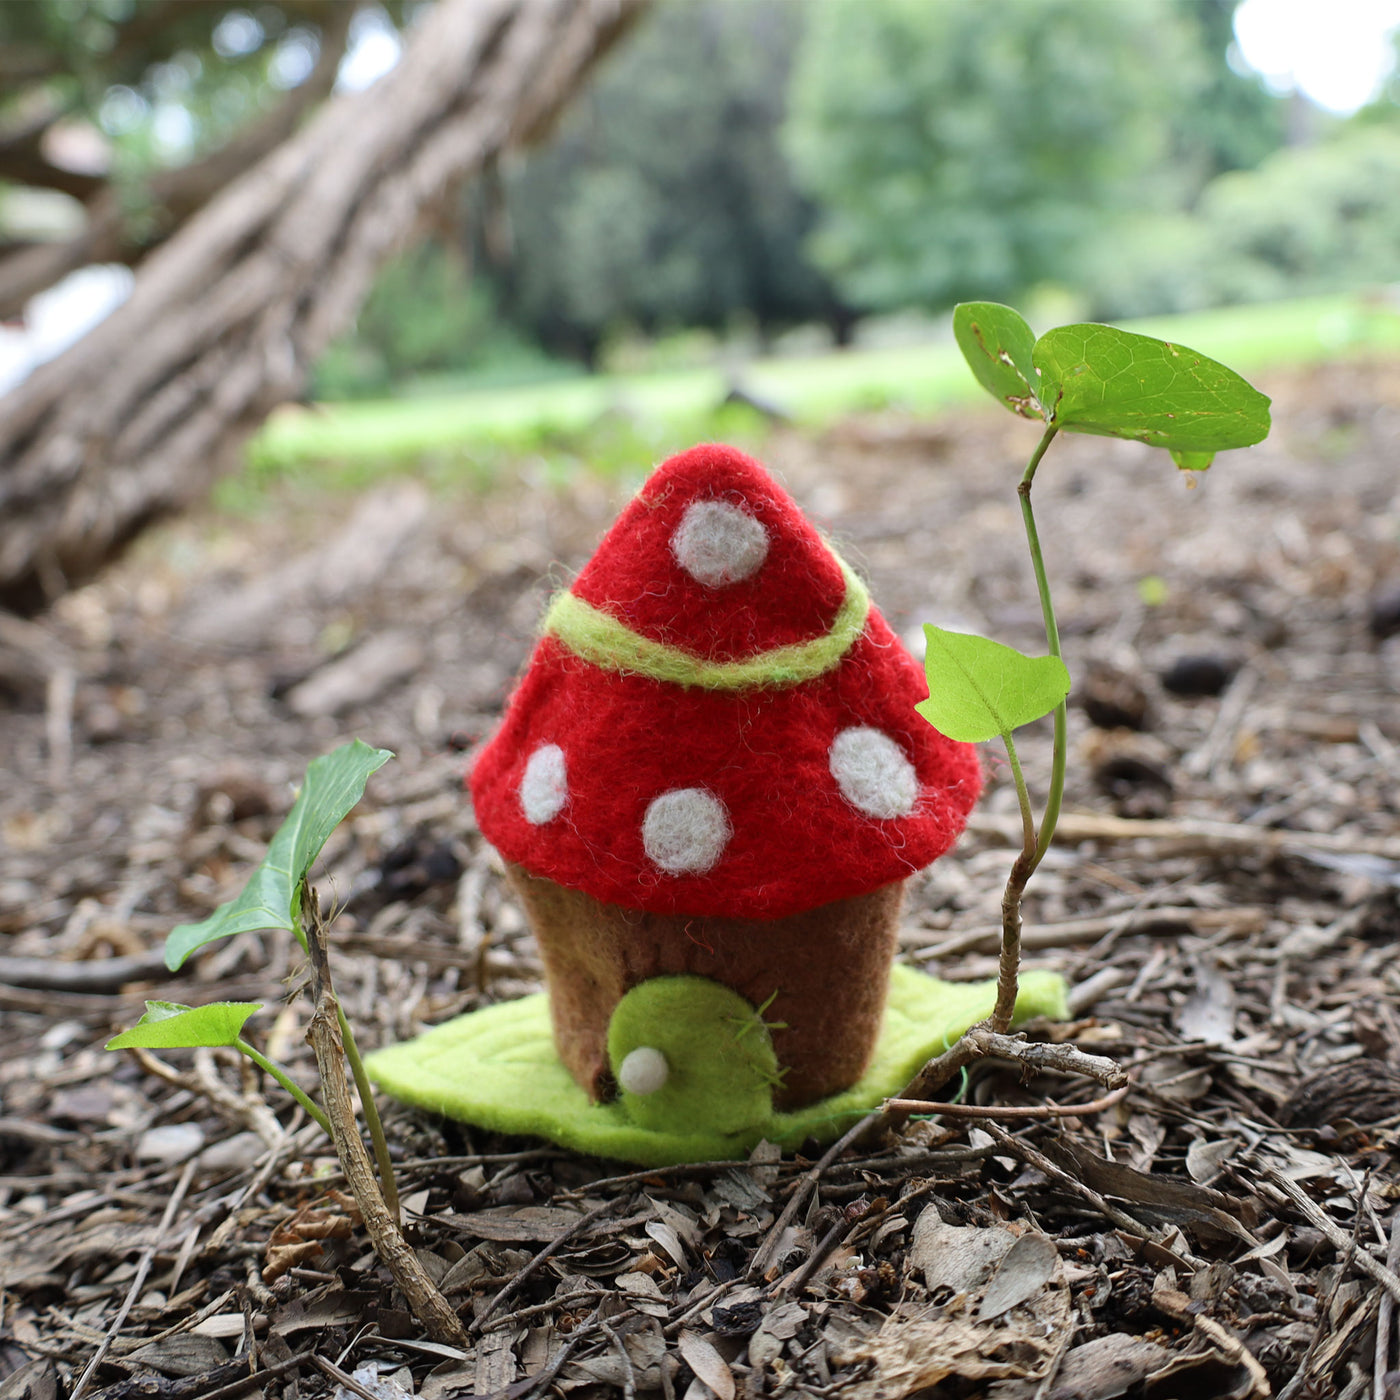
<point x="643" y="1070"/>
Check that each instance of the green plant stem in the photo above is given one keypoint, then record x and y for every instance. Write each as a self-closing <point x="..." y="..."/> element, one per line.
<point x="1052" y="641"/>
<point x="1009" y="967"/>
<point x="1034" y="844"/>
<point x="1023" y="796"/>
<point x="372" y="1121"/>
<point x="285" y="1080"/>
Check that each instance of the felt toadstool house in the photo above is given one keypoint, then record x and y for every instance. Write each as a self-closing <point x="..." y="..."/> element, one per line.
<point x="709" y="788"/>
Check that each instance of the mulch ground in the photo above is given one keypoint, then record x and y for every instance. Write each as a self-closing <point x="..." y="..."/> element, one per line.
<point x="1224" y="899"/>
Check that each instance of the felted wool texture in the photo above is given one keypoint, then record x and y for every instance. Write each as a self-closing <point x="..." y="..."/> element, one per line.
<point x="721" y="1069"/>
<point x="821" y="976"/>
<point x="765" y="754"/>
<point x="635" y="575"/>
<point x="496" y="1068"/>
<point x="719" y="543"/>
<point x="597" y="636"/>
<point x="685" y="831"/>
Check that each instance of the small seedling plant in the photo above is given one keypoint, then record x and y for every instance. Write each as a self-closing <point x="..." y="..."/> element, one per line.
<point x="277" y="896"/>
<point x="1077" y="379"/>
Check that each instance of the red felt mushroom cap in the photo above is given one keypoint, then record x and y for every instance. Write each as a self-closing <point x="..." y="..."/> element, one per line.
<point x="716" y="720"/>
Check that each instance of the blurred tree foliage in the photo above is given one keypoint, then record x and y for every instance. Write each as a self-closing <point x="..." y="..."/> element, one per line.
<point x="961" y="149"/>
<point x="1310" y="219"/>
<point x="124" y="63"/>
<point x="427" y="316"/>
<point x="739" y="165"/>
<point x="1233" y="121"/>
<point x="137" y="112"/>
<point x="666" y="200"/>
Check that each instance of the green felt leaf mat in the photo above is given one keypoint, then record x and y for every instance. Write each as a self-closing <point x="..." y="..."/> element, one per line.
<point x="497" y="1068"/>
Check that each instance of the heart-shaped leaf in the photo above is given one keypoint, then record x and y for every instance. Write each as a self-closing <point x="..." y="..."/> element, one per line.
<point x="979" y="689"/>
<point x="169" y="1026"/>
<point x="1116" y="383"/>
<point x="272" y="897"/>
<point x="997" y="344"/>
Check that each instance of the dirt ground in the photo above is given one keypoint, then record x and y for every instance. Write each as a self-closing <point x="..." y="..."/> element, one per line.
<point x="1224" y="900"/>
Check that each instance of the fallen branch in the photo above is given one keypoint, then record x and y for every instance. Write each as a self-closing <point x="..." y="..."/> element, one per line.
<point x="558" y="1242"/>
<point x="174" y="195"/>
<point x="138" y="1282"/>
<point x="1338" y="1238"/>
<point x="1236" y="922"/>
<point x="1032" y="1056"/>
<point x="246" y="1110"/>
<point x="1007" y="1112"/>
<point x="227" y="317"/>
<point x="1190" y="834"/>
<point x="94" y="975"/>
<point x="1019" y="1147"/>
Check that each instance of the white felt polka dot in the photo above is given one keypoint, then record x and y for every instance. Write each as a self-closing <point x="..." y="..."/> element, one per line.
<point x="544" y="788"/>
<point x="685" y="831"/>
<point x="874" y="773"/>
<point x="643" y="1071"/>
<point x="718" y="543"/>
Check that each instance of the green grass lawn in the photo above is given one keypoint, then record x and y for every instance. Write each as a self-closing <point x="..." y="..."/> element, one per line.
<point x="614" y="420"/>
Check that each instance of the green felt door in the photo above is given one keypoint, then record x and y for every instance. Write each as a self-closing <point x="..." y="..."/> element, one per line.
<point x="720" y="1069"/>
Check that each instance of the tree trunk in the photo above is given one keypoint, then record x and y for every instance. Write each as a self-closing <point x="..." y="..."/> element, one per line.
<point x="139" y="417"/>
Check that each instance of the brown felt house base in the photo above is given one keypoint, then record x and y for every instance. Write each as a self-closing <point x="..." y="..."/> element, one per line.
<point x="827" y="971"/>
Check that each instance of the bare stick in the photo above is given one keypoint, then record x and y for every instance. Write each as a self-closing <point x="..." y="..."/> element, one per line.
<point x="93" y="976"/>
<point x="58" y="724"/>
<point x="814" y="1260"/>
<point x="248" y="1110"/>
<point x="424" y="1301"/>
<point x="1019" y="1147"/>
<point x="259" y="1379"/>
<point x="1188" y="834"/>
<point x="1009" y="962"/>
<point x="1041" y="1055"/>
<point x="343" y="1378"/>
<point x="608" y="1183"/>
<point x="513" y="1287"/>
<point x="139" y="1281"/>
<point x="550" y="1305"/>
<point x="1231" y="922"/>
<point x="972" y="1110"/>
<point x="1030" y="1055"/>
<point x="314" y="928"/>
<point x="763" y="1255"/>
<point x="1339" y="1239"/>
<point x="1385" y="1315"/>
<point x="1179" y="1306"/>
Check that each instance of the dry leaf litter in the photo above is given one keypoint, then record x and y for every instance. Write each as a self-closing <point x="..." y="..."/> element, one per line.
<point x="1224" y="897"/>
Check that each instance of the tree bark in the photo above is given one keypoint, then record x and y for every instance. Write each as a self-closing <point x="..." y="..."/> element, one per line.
<point x="139" y="417"/>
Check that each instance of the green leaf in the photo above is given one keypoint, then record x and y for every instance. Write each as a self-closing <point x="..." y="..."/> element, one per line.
<point x="1120" y="384"/>
<point x="272" y="897"/>
<point x="169" y="1026"/>
<point x="997" y="344"/>
<point x="979" y="689"/>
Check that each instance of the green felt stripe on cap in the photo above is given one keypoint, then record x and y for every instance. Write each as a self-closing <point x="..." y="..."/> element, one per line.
<point x="603" y="640"/>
